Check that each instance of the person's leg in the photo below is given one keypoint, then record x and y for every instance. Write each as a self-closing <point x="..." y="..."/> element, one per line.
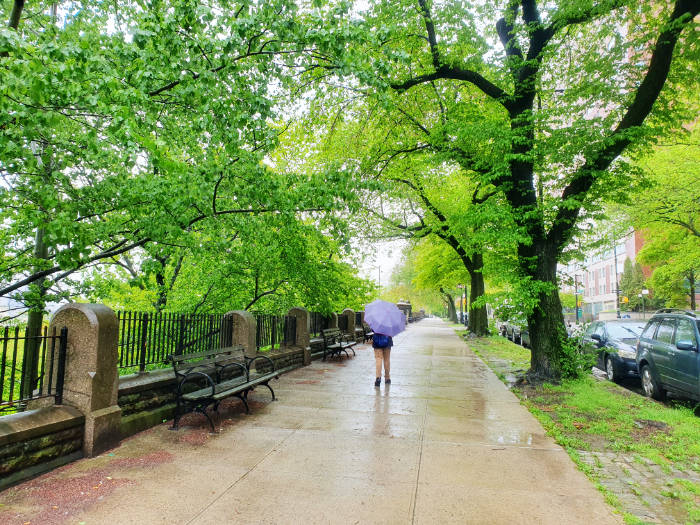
<point x="378" y="358"/>
<point x="387" y="364"/>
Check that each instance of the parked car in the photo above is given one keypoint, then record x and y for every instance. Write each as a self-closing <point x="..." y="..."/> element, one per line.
<point x="615" y="342"/>
<point x="515" y="329"/>
<point x="668" y="355"/>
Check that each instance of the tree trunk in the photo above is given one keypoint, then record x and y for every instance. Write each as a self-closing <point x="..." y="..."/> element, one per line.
<point x="35" y="320"/>
<point x="691" y="282"/>
<point x="451" y="310"/>
<point x="478" y="320"/>
<point x="546" y="324"/>
<point x="162" y="295"/>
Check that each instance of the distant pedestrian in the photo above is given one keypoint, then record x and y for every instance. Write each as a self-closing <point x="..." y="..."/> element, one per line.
<point x="382" y="352"/>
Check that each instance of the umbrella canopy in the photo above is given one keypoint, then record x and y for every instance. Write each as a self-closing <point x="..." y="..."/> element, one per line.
<point x="385" y="318"/>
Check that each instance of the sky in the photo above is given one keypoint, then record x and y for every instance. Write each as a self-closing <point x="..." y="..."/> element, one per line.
<point x="379" y="264"/>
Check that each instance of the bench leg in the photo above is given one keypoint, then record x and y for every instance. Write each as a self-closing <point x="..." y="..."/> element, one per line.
<point x="203" y="410"/>
<point x="178" y="415"/>
<point x="211" y="423"/>
<point x="271" y="391"/>
<point x="242" y="397"/>
<point x="176" y="421"/>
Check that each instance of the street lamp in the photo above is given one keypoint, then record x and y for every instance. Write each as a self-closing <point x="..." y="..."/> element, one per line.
<point x="576" y="296"/>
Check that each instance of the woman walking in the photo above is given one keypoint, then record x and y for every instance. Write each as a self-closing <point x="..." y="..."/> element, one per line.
<point x="382" y="353"/>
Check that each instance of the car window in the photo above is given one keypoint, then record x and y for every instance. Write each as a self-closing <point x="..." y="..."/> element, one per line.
<point x="600" y="330"/>
<point x="591" y="328"/>
<point x="624" y="331"/>
<point x="685" y="331"/>
<point x="650" y="329"/>
<point x="665" y="332"/>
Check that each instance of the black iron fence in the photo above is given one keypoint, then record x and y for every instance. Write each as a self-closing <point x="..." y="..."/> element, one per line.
<point x="273" y="330"/>
<point x="31" y="366"/>
<point x="318" y="322"/>
<point x="149" y="338"/>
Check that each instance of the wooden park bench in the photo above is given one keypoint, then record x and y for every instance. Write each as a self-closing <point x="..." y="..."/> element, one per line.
<point x="367" y="333"/>
<point x="205" y="379"/>
<point x="335" y="342"/>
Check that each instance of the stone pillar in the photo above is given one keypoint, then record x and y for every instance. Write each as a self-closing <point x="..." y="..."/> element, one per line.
<point x="362" y="318"/>
<point x="303" y="339"/>
<point x="350" y="316"/>
<point x="244" y="328"/>
<point x="333" y="320"/>
<point x="91" y="378"/>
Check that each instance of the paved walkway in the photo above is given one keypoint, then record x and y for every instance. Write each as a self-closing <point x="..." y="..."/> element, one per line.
<point x="446" y="442"/>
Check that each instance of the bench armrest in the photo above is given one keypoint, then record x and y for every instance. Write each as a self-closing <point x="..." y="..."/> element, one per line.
<point x="221" y="368"/>
<point x="195" y="375"/>
<point x="264" y="358"/>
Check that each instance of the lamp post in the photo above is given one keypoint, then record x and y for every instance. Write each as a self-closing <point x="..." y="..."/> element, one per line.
<point x="617" y="285"/>
<point x="461" y="303"/>
<point x="644" y="311"/>
<point x="576" y="296"/>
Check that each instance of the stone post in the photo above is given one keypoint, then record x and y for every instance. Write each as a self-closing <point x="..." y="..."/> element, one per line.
<point x="244" y="328"/>
<point x="333" y="320"/>
<point x="91" y="379"/>
<point x="303" y="339"/>
<point x="350" y="316"/>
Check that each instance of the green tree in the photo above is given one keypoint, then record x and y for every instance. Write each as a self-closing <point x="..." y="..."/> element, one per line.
<point x="544" y="119"/>
<point x="631" y="286"/>
<point x="668" y="214"/>
<point x="157" y="120"/>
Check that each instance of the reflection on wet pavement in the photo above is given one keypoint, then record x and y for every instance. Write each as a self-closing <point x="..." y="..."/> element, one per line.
<point x="446" y="442"/>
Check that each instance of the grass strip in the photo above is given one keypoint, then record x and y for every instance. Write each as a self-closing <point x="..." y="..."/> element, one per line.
<point x="593" y="416"/>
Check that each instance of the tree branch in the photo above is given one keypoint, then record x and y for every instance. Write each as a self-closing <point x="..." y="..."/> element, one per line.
<point x="16" y="14"/>
<point x="648" y="91"/>
<point x="430" y="28"/>
<point x="456" y="73"/>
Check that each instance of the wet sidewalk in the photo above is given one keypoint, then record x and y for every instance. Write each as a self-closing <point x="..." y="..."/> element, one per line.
<point x="446" y="442"/>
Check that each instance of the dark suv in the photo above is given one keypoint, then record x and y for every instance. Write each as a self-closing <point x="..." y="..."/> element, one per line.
<point x="667" y="354"/>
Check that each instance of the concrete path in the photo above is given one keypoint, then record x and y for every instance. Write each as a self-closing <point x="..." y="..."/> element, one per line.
<point x="446" y="442"/>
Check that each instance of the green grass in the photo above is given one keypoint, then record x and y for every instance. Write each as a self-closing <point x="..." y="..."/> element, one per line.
<point x="592" y="415"/>
<point x="500" y="348"/>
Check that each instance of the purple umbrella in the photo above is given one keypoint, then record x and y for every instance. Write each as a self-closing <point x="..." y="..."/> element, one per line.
<point x="385" y="318"/>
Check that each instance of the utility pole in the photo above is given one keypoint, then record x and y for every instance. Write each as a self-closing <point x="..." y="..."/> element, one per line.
<point x="617" y="285"/>
<point x="576" y="295"/>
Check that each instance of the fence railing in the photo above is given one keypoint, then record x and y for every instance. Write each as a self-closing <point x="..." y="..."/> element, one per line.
<point x="318" y="322"/>
<point x="273" y="330"/>
<point x="149" y="338"/>
<point x="23" y="366"/>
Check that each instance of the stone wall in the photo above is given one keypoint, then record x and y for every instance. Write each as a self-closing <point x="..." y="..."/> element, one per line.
<point x="146" y="400"/>
<point x="36" y="441"/>
<point x="284" y="359"/>
<point x="100" y="407"/>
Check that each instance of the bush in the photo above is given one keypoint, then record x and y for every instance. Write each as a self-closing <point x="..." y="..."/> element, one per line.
<point x="575" y="361"/>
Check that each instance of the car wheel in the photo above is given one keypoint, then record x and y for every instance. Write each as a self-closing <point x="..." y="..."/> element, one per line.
<point x="650" y="386"/>
<point x="610" y="369"/>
